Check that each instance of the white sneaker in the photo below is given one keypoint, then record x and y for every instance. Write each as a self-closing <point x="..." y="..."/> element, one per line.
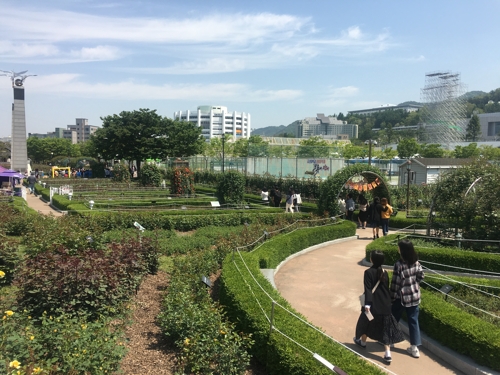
<point x="413" y="350"/>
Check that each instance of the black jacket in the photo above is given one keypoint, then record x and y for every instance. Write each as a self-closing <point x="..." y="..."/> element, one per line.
<point x="380" y="301"/>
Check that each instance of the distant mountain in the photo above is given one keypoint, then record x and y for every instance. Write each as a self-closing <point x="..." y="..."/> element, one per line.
<point x="269" y="131"/>
<point x="273" y="131"/>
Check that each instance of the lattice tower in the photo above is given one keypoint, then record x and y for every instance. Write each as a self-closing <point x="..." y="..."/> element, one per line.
<point x="444" y="112"/>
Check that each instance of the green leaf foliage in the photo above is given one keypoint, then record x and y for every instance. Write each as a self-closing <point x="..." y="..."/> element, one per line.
<point x="231" y="187"/>
<point x="279" y="354"/>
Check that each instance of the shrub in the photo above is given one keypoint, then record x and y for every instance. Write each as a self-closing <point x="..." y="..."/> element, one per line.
<point x="89" y="282"/>
<point x="231" y="187"/>
<point x="150" y="175"/>
<point x="121" y="173"/>
<point x="59" y="344"/>
<point x="209" y="343"/>
<point x="9" y="260"/>
<point x="182" y="182"/>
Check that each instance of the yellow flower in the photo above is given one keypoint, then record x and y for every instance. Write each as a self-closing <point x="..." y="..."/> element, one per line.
<point x="15" y="364"/>
<point x="84" y="326"/>
<point x="2" y="274"/>
<point x="186" y="342"/>
<point x="9" y="313"/>
<point x="37" y="370"/>
<point x="32" y="337"/>
<point x="55" y="330"/>
<point x="222" y="332"/>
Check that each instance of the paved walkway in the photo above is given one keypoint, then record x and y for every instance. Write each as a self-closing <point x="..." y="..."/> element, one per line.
<point x="324" y="285"/>
<point x="37" y="204"/>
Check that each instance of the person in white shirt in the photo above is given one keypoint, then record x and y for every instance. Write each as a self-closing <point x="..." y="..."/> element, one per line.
<point x="264" y="194"/>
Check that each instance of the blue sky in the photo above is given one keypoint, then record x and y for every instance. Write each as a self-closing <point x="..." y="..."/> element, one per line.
<point x="279" y="61"/>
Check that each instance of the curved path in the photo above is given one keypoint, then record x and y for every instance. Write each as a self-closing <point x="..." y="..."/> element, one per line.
<point x="324" y="285"/>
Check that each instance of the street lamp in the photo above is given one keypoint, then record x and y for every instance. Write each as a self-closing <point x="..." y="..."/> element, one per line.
<point x="223" y="138"/>
<point x="370" y="142"/>
<point x="408" y="171"/>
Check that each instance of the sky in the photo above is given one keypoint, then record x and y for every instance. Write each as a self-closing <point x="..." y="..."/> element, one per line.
<point x="279" y="61"/>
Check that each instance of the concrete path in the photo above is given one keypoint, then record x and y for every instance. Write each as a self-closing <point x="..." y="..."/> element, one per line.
<point x="37" y="204"/>
<point x="324" y="285"/>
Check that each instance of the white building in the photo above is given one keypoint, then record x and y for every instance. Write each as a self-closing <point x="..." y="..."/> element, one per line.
<point x="217" y="120"/>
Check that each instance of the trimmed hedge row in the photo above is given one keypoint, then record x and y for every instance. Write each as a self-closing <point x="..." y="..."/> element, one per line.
<point x="459" y="330"/>
<point x="449" y="256"/>
<point x="277" y="353"/>
<point x="182" y="222"/>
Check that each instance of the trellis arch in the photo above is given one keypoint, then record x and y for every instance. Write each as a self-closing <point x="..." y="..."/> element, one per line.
<point x="331" y="188"/>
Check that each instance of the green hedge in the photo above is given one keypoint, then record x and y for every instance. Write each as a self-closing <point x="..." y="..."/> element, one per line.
<point x="279" y="354"/>
<point x="182" y="222"/>
<point x="449" y="256"/>
<point x="460" y="330"/>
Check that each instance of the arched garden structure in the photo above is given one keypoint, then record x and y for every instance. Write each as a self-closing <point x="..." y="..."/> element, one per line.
<point x="358" y="179"/>
<point x="466" y="203"/>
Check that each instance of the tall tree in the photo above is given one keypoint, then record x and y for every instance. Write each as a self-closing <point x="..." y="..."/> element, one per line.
<point x="314" y="147"/>
<point x="143" y="134"/>
<point x="473" y="131"/>
<point x="431" y="151"/>
<point x="407" y="148"/>
<point x="466" y="152"/>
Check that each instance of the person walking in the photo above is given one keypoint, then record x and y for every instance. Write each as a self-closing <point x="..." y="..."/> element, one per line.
<point x="264" y="195"/>
<point x="405" y="292"/>
<point x="363" y="213"/>
<point x="374" y="214"/>
<point x="350" y="205"/>
<point x="376" y="320"/>
<point x="276" y="195"/>
<point x="289" y="201"/>
<point x="31" y="182"/>
<point x="385" y="215"/>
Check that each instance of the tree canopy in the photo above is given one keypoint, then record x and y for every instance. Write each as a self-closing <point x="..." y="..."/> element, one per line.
<point x="407" y="148"/>
<point x="144" y="134"/>
<point x="473" y="131"/>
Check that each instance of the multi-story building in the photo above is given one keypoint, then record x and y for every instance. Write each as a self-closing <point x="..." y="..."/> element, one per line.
<point x="217" y="120"/>
<point x="387" y="107"/>
<point x="490" y="126"/>
<point x="326" y="126"/>
<point x="80" y="132"/>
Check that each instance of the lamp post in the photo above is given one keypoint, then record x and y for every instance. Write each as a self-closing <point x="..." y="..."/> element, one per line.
<point x="369" y="143"/>
<point x="408" y="171"/>
<point x="223" y="138"/>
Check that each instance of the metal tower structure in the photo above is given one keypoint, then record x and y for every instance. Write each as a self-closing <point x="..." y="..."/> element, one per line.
<point x="444" y="111"/>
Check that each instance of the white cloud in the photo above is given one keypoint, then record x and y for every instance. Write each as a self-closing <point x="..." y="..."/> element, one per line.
<point x="10" y="49"/>
<point x="98" y="53"/>
<point x="211" y="43"/>
<point x="72" y="85"/>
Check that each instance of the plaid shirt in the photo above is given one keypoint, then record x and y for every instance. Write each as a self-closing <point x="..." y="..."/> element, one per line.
<point x="405" y="284"/>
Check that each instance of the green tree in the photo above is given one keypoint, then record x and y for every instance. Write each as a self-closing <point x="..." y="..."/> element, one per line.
<point x="388" y="153"/>
<point x="466" y="152"/>
<point x="43" y="149"/>
<point x="314" y="147"/>
<point x="473" y="131"/>
<point x="407" y="148"/>
<point x="351" y="152"/>
<point x="257" y="146"/>
<point x="431" y="151"/>
<point x="183" y="138"/>
<point x="490" y="152"/>
<point x="143" y="134"/>
<point x="231" y="187"/>
<point x="4" y="151"/>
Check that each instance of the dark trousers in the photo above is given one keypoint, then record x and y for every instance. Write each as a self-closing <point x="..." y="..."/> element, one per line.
<point x="412" y="315"/>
